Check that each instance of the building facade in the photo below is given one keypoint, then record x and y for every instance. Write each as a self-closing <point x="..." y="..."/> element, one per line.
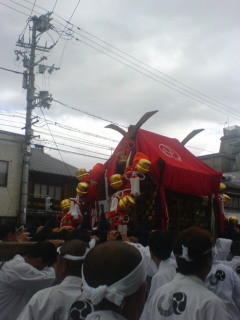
<point x="48" y="177"/>
<point x="11" y="160"/>
<point x="227" y="161"/>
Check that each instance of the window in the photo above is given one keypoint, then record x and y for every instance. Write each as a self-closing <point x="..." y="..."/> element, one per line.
<point x="3" y="173"/>
<point x="43" y="190"/>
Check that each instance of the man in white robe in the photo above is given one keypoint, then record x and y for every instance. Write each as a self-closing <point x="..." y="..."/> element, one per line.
<point x="160" y="246"/>
<point x="55" y="302"/>
<point x="224" y="282"/>
<point x="186" y="297"/>
<point x="23" y="276"/>
<point x="114" y="275"/>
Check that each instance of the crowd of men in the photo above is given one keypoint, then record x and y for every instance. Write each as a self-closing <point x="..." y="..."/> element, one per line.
<point x="72" y="275"/>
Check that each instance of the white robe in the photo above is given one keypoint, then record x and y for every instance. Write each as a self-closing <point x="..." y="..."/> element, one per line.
<point x="166" y="272"/>
<point x="54" y="302"/>
<point x="234" y="264"/>
<point x="225" y="283"/>
<point x="105" y="315"/>
<point x="186" y="298"/>
<point x="223" y="247"/>
<point x="19" y="281"/>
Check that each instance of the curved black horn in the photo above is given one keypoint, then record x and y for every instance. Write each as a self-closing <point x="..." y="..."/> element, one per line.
<point x="142" y="120"/>
<point x="116" y="128"/>
<point x="191" y="135"/>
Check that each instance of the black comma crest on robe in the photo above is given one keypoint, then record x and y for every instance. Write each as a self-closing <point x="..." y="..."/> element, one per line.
<point x="80" y="309"/>
<point x="238" y="270"/>
<point x="218" y="276"/>
<point x="175" y="304"/>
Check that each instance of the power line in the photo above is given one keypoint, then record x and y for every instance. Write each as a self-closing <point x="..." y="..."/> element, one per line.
<point x="192" y="94"/>
<point x="71" y="139"/>
<point x="10" y="70"/>
<point x="33" y="7"/>
<point x="87" y="113"/>
<point x="76" y="148"/>
<point x="55" y="143"/>
<point x="68" y="128"/>
<point x="13" y="9"/>
<point x="81" y="154"/>
<point x="74" y="10"/>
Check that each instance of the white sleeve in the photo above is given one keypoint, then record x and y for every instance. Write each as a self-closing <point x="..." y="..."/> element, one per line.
<point x="26" y="276"/>
<point x="38" y="307"/>
<point x="214" y="309"/>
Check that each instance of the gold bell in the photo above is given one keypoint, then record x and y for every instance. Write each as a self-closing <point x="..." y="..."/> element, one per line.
<point x="143" y="166"/>
<point x="222" y="187"/>
<point x="81" y="174"/>
<point x="65" y="205"/>
<point x="82" y="189"/>
<point x="116" y="181"/>
<point x="233" y="220"/>
<point x="226" y="199"/>
<point x="127" y="203"/>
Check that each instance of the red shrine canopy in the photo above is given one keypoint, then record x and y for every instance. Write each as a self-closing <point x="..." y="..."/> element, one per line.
<point x="173" y="168"/>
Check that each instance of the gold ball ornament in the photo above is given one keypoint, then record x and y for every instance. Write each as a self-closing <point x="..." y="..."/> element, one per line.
<point x="82" y="189"/>
<point x="226" y="199"/>
<point x="233" y="220"/>
<point x="143" y="166"/>
<point x="81" y="174"/>
<point x="65" y="205"/>
<point x="116" y="181"/>
<point x="126" y="203"/>
<point x="222" y="187"/>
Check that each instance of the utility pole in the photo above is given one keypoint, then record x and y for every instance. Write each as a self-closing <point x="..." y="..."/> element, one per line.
<point x="39" y="25"/>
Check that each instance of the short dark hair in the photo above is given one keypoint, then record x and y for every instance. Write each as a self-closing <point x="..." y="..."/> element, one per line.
<point x="44" y="250"/>
<point x="109" y="262"/>
<point x="199" y="243"/>
<point x="74" y="247"/>
<point x="160" y="244"/>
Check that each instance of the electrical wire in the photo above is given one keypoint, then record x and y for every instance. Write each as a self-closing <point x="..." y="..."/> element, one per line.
<point x="33" y="7"/>
<point x="13" y="9"/>
<point x="76" y="148"/>
<point x="81" y="154"/>
<point x="87" y="113"/>
<point x="65" y="127"/>
<point x="5" y="69"/>
<point x="56" y="144"/>
<point x="172" y="84"/>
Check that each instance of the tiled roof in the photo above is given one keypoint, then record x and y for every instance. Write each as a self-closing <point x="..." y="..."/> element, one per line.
<point x="43" y="162"/>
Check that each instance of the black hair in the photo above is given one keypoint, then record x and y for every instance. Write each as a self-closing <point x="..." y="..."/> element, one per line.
<point x="199" y="244"/>
<point x="73" y="247"/>
<point x="44" y="250"/>
<point x="7" y="228"/>
<point x="160" y="244"/>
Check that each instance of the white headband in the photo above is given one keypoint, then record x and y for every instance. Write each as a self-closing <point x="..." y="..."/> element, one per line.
<point x="185" y="254"/>
<point x="70" y="256"/>
<point x="117" y="291"/>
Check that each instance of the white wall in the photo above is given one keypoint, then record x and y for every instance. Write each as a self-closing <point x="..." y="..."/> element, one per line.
<point x="11" y="150"/>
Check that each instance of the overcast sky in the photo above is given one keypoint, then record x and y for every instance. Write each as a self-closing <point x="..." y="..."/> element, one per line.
<point x="119" y="59"/>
